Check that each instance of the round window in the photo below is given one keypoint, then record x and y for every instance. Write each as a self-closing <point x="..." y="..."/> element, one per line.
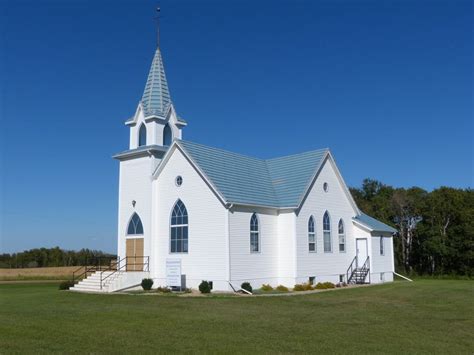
<point x="325" y="187"/>
<point x="179" y="180"/>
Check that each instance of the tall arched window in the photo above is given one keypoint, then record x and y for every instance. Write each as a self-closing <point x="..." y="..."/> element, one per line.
<point x="179" y="228"/>
<point x="142" y="135"/>
<point x="135" y="225"/>
<point x="342" y="236"/>
<point x="254" y="234"/>
<point x="167" y="135"/>
<point x="311" y="235"/>
<point x="327" y="233"/>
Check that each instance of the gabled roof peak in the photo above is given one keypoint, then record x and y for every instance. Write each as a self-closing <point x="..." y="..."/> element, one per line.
<point x="156" y="98"/>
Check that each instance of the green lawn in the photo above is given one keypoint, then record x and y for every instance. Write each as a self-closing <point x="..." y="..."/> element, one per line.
<point x="426" y="316"/>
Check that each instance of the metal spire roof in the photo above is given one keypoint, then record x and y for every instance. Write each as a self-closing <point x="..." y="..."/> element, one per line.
<point x="156" y="97"/>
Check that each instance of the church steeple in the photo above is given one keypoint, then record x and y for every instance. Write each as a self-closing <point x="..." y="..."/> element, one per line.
<point x="156" y="97"/>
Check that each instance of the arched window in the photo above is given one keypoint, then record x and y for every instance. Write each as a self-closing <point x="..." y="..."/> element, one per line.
<point x="167" y="135"/>
<point x="254" y="234"/>
<point x="142" y="135"/>
<point x="311" y="235"/>
<point x="135" y="225"/>
<point x="342" y="236"/>
<point x="327" y="233"/>
<point x="179" y="228"/>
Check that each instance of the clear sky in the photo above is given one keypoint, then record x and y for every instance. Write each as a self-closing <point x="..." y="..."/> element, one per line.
<point x="386" y="85"/>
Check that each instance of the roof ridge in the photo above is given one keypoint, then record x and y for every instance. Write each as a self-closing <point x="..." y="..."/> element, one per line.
<point x="222" y="150"/>
<point x="297" y="154"/>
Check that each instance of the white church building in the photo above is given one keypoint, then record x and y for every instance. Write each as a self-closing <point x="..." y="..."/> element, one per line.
<point x="229" y="218"/>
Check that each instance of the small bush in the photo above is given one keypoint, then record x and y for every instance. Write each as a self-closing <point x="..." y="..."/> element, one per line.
<point x="308" y="287"/>
<point x="163" y="289"/>
<point x="66" y="285"/>
<point x="282" y="288"/>
<point x="299" y="287"/>
<point x="147" y="284"/>
<point x="246" y="286"/>
<point x="205" y="287"/>
<point x="324" y="285"/>
<point x="266" y="287"/>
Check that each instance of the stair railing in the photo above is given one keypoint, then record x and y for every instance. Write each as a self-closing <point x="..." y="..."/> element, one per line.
<point x="121" y="265"/>
<point x="366" y="268"/>
<point x="351" y="269"/>
<point x="97" y="265"/>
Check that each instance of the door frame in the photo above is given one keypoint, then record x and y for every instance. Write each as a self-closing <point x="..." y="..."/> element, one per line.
<point x="367" y="251"/>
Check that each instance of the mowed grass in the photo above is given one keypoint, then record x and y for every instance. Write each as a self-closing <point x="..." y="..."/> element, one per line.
<point x="426" y="316"/>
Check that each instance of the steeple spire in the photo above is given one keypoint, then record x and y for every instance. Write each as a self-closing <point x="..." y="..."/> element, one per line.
<point x="156" y="97"/>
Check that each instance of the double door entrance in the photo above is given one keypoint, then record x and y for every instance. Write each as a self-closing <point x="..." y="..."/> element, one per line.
<point x="134" y="253"/>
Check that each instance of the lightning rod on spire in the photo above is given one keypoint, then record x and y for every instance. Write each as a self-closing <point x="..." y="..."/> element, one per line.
<point x="158" y="26"/>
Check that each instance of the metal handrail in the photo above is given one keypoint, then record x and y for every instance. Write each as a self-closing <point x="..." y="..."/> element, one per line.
<point x="120" y="266"/>
<point x="90" y="268"/>
<point x="351" y="269"/>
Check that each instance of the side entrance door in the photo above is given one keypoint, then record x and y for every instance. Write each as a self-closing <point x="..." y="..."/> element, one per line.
<point x="134" y="251"/>
<point x="361" y="251"/>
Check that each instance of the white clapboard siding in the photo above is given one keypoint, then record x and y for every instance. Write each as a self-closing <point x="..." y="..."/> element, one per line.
<point x="207" y="258"/>
<point x="325" y="266"/>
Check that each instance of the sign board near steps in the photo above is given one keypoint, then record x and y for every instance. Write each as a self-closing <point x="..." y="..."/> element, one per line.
<point x="173" y="272"/>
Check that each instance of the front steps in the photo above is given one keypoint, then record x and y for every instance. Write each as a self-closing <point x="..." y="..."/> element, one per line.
<point x="92" y="282"/>
<point x="112" y="281"/>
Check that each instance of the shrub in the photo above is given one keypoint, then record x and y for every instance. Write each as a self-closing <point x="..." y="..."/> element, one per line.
<point x="320" y="286"/>
<point x="205" y="287"/>
<point x="246" y="286"/>
<point x="266" y="287"/>
<point x="282" y="288"/>
<point x="308" y="287"/>
<point x="163" y="289"/>
<point x="147" y="284"/>
<point x="66" y="285"/>
<point x="299" y="287"/>
<point x="324" y="285"/>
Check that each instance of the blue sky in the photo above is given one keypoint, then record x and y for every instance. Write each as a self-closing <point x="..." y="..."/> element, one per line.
<point x="386" y="85"/>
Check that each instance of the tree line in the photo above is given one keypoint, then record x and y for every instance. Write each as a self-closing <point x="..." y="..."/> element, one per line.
<point x="435" y="229"/>
<point x="53" y="257"/>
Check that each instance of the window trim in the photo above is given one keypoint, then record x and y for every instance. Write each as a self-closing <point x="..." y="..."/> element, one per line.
<point x="177" y="226"/>
<point x="140" y="135"/>
<point x="258" y="233"/>
<point x="128" y="225"/>
<point x="343" y="234"/>
<point x="313" y="234"/>
<point x="326" y="213"/>
<point x="167" y="126"/>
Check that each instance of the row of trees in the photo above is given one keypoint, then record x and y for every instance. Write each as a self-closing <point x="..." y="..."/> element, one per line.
<point x="44" y="257"/>
<point x="435" y="229"/>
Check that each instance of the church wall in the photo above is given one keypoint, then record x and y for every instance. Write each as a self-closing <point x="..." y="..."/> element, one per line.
<point x="287" y="249"/>
<point x="207" y="257"/>
<point x="260" y="267"/>
<point x="134" y="185"/>
<point x="382" y="265"/>
<point x="325" y="266"/>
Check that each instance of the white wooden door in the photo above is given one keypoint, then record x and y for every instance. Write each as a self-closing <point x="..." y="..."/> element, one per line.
<point x="362" y="251"/>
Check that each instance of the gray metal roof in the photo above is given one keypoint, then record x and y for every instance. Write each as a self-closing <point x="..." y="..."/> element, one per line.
<point x="373" y="224"/>
<point x="279" y="182"/>
<point x="156" y="98"/>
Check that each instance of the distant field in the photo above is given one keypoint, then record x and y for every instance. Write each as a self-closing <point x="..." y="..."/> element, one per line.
<point x="423" y="317"/>
<point x="38" y="273"/>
